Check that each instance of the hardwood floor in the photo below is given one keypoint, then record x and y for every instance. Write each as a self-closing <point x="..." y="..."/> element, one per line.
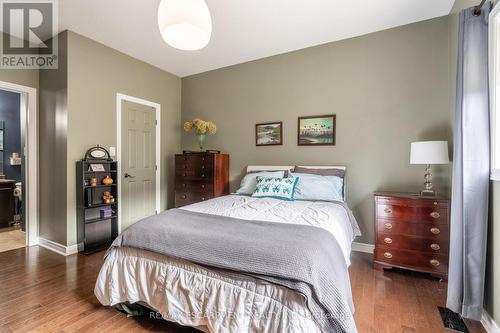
<point x="11" y="238"/>
<point x="41" y="291"/>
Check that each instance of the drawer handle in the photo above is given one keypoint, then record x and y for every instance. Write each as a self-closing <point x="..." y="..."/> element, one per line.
<point x="185" y="174"/>
<point x="185" y="167"/>
<point x="203" y="167"/>
<point x="203" y="158"/>
<point x="388" y="240"/>
<point x="388" y="210"/>
<point x="202" y="175"/>
<point x="435" y="247"/>
<point x="435" y="231"/>
<point x="388" y="255"/>
<point x="202" y="186"/>
<point x="435" y="215"/>
<point x="387" y="225"/>
<point x="202" y="199"/>
<point x="435" y="203"/>
<point x="435" y="262"/>
<point x="184" y="196"/>
<point x="183" y="185"/>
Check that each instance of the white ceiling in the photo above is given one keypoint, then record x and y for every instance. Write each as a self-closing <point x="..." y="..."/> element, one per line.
<point x="243" y="30"/>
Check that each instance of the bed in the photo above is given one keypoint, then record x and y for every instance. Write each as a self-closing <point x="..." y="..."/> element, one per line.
<point x="225" y="300"/>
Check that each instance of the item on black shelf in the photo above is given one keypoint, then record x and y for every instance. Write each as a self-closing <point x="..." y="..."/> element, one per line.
<point x="106" y="212"/>
<point x="93" y="181"/>
<point x="97" y="153"/>
<point x="107" y="198"/>
<point x="107" y="180"/>
<point x="88" y="197"/>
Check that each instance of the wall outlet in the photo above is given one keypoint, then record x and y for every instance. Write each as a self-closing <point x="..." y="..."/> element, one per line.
<point x="112" y="151"/>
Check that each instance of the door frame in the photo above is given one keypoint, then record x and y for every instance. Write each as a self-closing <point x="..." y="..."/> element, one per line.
<point x="119" y="99"/>
<point x="30" y="153"/>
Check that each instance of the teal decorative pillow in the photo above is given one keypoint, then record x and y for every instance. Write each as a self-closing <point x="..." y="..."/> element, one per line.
<point x="273" y="187"/>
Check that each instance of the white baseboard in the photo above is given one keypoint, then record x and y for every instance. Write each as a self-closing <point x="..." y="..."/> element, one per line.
<point x="489" y="324"/>
<point x="58" y="248"/>
<point x="363" y="247"/>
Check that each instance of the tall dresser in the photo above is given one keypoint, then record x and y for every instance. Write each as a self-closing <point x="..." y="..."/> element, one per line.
<point x="200" y="176"/>
<point x="412" y="232"/>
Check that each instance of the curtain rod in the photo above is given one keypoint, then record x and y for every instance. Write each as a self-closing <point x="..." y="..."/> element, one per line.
<point x="477" y="10"/>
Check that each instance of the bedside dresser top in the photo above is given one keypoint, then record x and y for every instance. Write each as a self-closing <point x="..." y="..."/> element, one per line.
<point x="408" y="195"/>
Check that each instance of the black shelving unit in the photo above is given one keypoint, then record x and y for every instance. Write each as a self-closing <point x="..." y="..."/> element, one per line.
<point x="95" y="232"/>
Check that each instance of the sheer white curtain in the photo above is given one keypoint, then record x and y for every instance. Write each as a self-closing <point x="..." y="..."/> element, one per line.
<point x="471" y="168"/>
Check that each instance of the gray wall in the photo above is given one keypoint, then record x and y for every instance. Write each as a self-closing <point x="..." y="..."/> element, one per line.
<point x="95" y="74"/>
<point x="387" y="89"/>
<point x="53" y="128"/>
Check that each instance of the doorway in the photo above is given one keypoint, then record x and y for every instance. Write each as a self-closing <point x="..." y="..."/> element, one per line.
<point x="138" y="154"/>
<point x="18" y="166"/>
<point x="12" y="178"/>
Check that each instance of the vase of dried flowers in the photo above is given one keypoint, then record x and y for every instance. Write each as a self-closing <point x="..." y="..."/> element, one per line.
<point x="201" y="128"/>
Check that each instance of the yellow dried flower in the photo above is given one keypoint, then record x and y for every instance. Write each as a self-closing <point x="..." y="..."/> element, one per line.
<point x="201" y="126"/>
<point x="187" y="126"/>
<point x="212" y="127"/>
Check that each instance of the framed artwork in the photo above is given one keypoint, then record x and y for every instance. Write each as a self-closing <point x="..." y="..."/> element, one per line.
<point x="316" y="131"/>
<point x="269" y="134"/>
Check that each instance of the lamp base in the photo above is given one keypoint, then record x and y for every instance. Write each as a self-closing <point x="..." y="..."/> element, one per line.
<point x="428" y="193"/>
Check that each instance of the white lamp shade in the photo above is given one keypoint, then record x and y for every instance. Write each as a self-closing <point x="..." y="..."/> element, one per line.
<point x="429" y="152"/>
<point x="185" y="24"/>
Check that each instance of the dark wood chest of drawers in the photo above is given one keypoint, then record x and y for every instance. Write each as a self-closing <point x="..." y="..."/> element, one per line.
<point x="200" y="176"/>
<point x="412" y="232"/>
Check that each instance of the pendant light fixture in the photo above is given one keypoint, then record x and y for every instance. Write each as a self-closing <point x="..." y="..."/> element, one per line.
<point x="185" y="24"/>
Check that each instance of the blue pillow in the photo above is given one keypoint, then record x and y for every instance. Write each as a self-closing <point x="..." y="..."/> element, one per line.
<point x="277" y="188"/>
<point x="249" y="182"/>
<point x="316" y="187"/>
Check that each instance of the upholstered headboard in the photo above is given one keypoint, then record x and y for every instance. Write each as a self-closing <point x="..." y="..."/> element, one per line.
<point x="253" y="168"/>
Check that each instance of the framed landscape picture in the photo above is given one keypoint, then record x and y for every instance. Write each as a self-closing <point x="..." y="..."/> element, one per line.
<point x="316" y="131"/>
<point x="269" y="134"/>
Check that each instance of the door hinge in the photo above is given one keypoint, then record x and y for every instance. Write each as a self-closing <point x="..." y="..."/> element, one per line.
<point x="156" y="167"/>
<point x="156" y="122"/>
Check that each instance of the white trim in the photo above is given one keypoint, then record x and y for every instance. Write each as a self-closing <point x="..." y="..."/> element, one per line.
<point x="495" y="175"/>
<point x="58" y="248"/>
<point x="363" y="247"/>
<point x="488" y="323"/>
<point x="119" y="99"/>
<point x="492" y="50"/>
<point x="31" y="158"/>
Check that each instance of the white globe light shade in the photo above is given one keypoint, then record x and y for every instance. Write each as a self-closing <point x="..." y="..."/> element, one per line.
<point x="185" y="24"/>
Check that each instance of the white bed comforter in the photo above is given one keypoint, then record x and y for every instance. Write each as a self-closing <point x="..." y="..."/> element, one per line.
<point x="218" y="301"/>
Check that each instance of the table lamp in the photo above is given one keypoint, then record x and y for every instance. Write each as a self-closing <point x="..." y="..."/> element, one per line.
<point x="429" y="152"/>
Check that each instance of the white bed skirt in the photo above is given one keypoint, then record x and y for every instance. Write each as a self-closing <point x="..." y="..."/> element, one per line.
<point x="192" y="295"/>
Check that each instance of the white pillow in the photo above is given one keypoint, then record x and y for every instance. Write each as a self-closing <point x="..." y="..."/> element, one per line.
<point x="277" y="188"/>
<point x="249" y="182"/>
<point x="316" y="187"/>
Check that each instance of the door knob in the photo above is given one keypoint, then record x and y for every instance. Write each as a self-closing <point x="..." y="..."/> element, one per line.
<point x="126" y="175"/>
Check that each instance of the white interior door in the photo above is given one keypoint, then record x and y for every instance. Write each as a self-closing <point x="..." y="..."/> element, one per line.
<point x="138" y="162"/>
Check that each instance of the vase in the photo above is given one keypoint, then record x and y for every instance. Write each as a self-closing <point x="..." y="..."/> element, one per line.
<point x="201" y="140"/>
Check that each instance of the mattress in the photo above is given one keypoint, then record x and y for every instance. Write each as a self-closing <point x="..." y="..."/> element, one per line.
<point x="220" y="301"/>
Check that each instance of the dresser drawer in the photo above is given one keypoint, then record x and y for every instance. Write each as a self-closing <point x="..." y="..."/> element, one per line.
<point x="194" y="159"/>
<point x="200" y="167"/>
<point x="200" y="186"/>
<point x="422" y="261"/>
<point x="412" y="213"/>
<point x="186" y="175"/>
<point x="183" y="198"/>
<point x="404" y="242"/>
<point x="428" y="230"/>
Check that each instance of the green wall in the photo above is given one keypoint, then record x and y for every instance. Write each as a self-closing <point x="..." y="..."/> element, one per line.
<point x="96" y="73"/>
<point x="53" y="127"/>
<point x="387" y="89"/>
